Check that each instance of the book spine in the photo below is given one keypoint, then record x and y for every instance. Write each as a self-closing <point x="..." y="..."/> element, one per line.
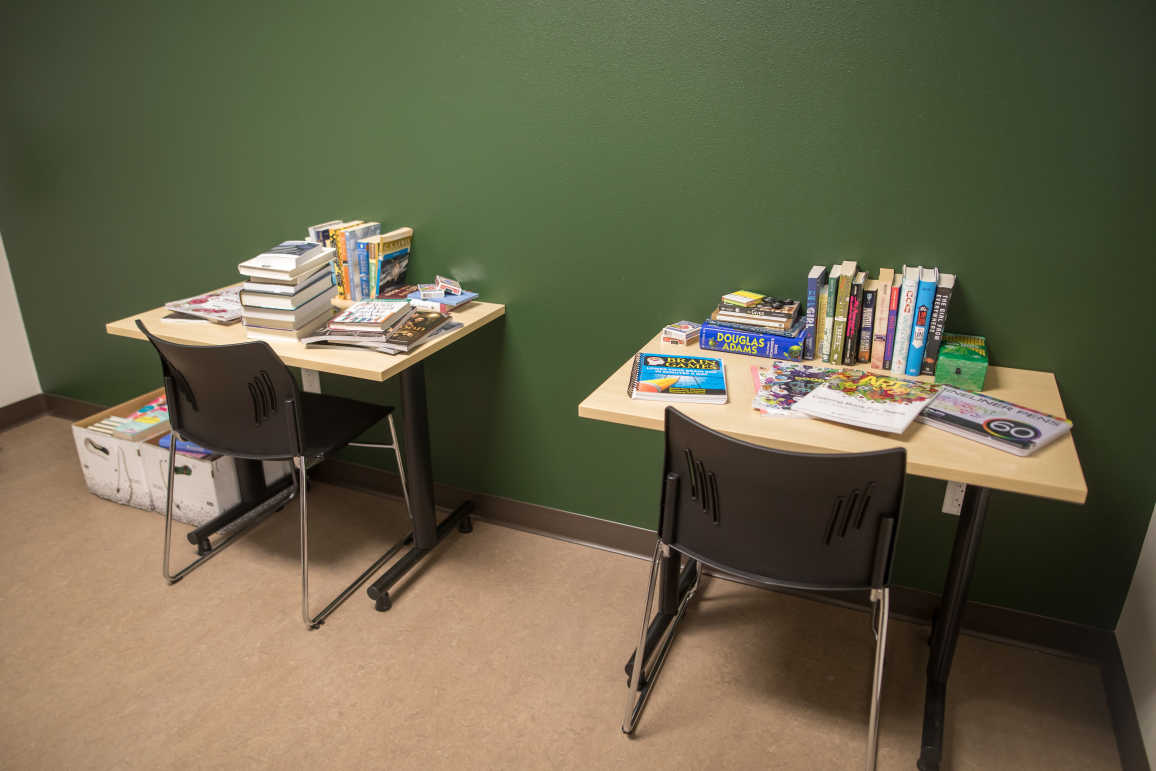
<point x="813" y="284"/>
<point x="716" y="337"/>
<point x="879" y="325"/>
<point x="892" y="318"/>
<point x="363" y="270"/>
<point x="925" y="297"/>
<point x="903" y="326"/>
<point x="935" y="330"/>
<point x="829" y="318"/>
<point x="821" y="323"/>
<point x="851" y="341"/>
<point x="632" y="383"/>
<point x="839" y="331"/>
<point x="763" y="313"/>
<point x="343" y="261"/>
<point x="866" y="336"/>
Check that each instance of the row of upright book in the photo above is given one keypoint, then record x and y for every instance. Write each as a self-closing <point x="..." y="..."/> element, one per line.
<point x="894" y="322"/>
<point x="365" y="260"/>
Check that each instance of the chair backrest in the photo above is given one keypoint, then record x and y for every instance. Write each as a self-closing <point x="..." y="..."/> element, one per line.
<point x="237" y="399"/>
<point x="817" y="521"/>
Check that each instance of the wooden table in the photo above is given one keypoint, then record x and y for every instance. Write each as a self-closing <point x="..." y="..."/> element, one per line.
<point x="366" y="365"/>
<point x="1053" y="472"/>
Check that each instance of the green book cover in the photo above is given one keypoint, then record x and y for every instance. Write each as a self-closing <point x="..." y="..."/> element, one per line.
<point x="829" y="313"/>
<point x="846" y="275"/>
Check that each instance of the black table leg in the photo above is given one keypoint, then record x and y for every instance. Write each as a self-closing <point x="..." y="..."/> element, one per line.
<point x="415" y="450"/>
<point x="945" y="629"/>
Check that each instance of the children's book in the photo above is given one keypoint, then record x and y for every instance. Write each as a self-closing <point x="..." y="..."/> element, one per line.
<point x="222" y="306"/>
<point x="692" y="379"/>
<point x="146" y="422"/>
<point x="780" y="385"/>
<point x="868" y="400"/>
<point x="1006" y="426"/>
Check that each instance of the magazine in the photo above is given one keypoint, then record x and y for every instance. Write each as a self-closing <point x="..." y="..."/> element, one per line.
<point x="221" y="306"/>
<point x="1003" y="425"/>
<point x="780" y="385"/>
<point x="868" y="400"/>
<point x="678" y="379"/>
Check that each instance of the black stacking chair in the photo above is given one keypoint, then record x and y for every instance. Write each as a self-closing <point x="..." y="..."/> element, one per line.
<point x="241" y="400"/>
<point x="775" y="519"/>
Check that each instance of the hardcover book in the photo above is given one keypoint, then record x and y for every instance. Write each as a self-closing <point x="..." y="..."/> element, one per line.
<point x="868" y="400"/>
<point x="287" y="256"/>
<point x="924" y="297"/>
<point x="816" y="286"/>
<point x="780" y="385"/>
<point x="418" y="325"/>
<point x="938" y="320"/>
<point x="1003" y="425"/>
<point x="693" y="379"/>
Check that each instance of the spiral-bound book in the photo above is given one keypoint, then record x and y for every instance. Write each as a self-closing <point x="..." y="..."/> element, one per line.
<point x="693" y="379"/>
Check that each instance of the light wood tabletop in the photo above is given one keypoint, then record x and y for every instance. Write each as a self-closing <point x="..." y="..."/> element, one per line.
<point x="1052" y="472"/>
<point x="368" y="365"/>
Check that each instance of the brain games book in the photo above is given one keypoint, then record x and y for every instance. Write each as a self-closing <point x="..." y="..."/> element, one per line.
<point x="693" y="379"/>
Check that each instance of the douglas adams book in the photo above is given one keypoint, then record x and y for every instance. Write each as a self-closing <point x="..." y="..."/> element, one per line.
<point x="694" y="379"/>
<point x="1006" y="426"/>
<point x="868" y="400"/>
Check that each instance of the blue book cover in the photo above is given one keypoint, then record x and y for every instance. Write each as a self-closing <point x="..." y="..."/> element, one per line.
<point x="362" y="270"/>
<point x="770" y="345"/>
<point x="924" y="298"/>
<point x="678" y="378"/>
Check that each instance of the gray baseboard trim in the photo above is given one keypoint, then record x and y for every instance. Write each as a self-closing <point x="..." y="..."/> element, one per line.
<point x="70" y="409"/>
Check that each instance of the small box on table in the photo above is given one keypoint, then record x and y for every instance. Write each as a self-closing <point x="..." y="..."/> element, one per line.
<point x="962" y="361"/>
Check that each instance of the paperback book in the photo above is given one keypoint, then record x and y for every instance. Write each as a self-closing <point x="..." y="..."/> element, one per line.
<point x="868" y="400"/>
<point x="691" y="379"/>
<point x="372" y="315"/>
<point x="994" y="422"/>
<point x="780" y="385"/>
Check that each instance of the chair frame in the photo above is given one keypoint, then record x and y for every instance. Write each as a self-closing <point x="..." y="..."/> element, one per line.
<point x="257" y="514"/>
<point x="667" y="556"/>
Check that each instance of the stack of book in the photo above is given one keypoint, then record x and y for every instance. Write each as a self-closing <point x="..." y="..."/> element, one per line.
<point x="367" y="261"/>
<point x="754" y="324"/>
<point x="893" y="323"/>
<point x="288" y="292"/>
<point x="386" y="326"/>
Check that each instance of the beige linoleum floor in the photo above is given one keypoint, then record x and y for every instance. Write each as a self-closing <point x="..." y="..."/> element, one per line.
<point x="504" y="652"/>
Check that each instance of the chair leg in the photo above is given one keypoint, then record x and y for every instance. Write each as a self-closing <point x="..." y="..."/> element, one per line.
<point x="881" y="601"/>
<point x="257" y="514"/>
<point x="642" y="682"/>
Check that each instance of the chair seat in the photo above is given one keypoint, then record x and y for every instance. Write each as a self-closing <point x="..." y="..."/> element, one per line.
<point x="331" y="422"/>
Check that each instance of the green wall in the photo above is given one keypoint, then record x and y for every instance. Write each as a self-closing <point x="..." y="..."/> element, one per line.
<point x="605" y="167"/>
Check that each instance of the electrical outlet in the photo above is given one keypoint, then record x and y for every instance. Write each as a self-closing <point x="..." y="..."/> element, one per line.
<point x="310" y="381"/>
<point x="953" y="498"/>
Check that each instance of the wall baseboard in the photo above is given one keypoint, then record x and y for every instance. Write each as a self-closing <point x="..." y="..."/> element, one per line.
<point x="988" y="621"/>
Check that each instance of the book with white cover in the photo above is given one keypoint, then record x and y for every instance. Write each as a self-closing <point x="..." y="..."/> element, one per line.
<point x="284" y="301"/>
<point x="294" y="316"/>
<point x="905" y="319"/>
<point x="289" y="285"/>
<point x="268" y="266"/>
<point x="1003" y="425"/>
<point x="868" y="400"/>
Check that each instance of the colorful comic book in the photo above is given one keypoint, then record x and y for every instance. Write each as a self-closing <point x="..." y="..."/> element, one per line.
<point x="780" y="385"/>
<point x="1003" y="425"/>
<point x="868" y="400"/>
